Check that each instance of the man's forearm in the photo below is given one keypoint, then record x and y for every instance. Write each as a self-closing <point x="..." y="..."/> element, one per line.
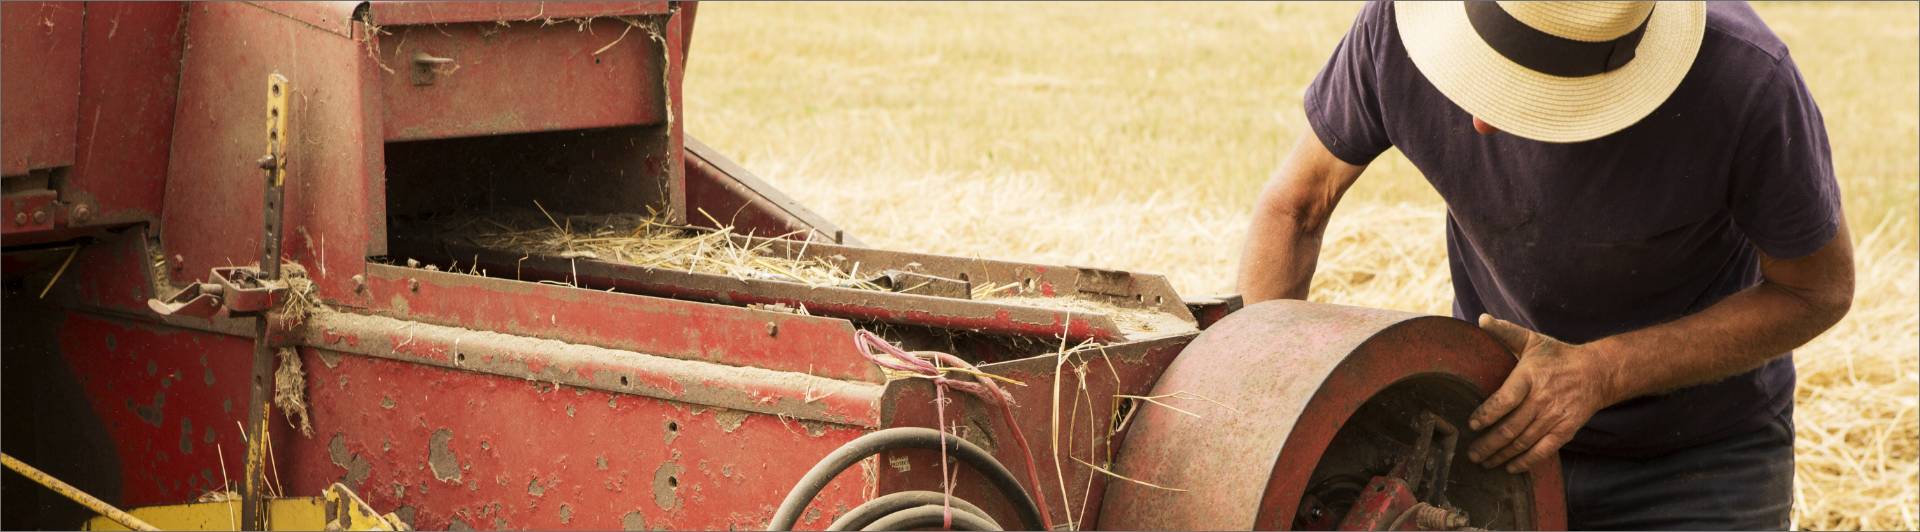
<point x="1283" y="241"/>
<point x="1730" y="337"/>
<point x="1279" y="258"/>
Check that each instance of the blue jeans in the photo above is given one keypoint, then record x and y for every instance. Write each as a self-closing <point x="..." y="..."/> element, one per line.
<point x="1742" y="482"/>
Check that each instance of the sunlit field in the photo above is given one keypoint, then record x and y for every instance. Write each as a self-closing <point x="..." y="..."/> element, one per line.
<point x="1134" y="136"/>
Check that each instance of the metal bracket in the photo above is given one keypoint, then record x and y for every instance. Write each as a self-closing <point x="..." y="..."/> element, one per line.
<point x="240" y="291"/>
<point x="425" y="66"/>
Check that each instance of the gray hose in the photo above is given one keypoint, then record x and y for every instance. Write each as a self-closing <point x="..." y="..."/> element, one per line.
<point x="884" y="440"/>
<point x="928" y="516"/>
<point x="866" y="513"/>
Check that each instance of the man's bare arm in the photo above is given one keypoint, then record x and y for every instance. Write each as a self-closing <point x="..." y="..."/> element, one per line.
<point x="1558" y="386"/>
<point x="1289" y="218"/>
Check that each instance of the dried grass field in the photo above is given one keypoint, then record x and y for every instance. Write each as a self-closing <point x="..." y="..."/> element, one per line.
<point x="1134" y="136"/>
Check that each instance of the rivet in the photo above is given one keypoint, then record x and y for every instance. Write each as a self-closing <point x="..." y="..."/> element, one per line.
<point x="773" y="329"/>
<point x="413" y="284"/>
<point x="359" y="283"/>
<point x="40" y="216"/>
<point x="81" y="213"/>
<point x="20" y="219"/>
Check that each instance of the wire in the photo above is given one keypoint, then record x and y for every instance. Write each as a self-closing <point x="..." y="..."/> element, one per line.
<point x="868" y="512"/>
<point x="884" y="440"/>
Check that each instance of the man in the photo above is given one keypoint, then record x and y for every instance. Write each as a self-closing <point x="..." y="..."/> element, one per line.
<point x="1641" y="206"/>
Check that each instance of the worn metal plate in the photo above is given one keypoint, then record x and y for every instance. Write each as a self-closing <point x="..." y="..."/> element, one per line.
<point x="738" y="199"/>
<point x="1090" y="431"/>
<point x="1289" y="375"/>
<point x="127" y="91"/>
<point x="521" y="78"/>
<point x="721" y="334"/>
<point x="334" y="200"/>
<point x="443" y="447"/>
<point x="39" y="105"/>
<point x="401" y="13"/>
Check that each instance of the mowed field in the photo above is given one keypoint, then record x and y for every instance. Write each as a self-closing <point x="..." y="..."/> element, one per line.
<point x="1135" y="136"/>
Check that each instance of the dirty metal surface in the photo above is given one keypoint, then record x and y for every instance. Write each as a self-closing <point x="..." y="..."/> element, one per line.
<point x="720" y="334"/>
<point x="737" y="198"/>
<point x="332" y="17"/>
<point x="442" y="447"/>
<point x="24" y="213"/>
<point x="128" y="84"/>
<point x="38" y="108"/>
<point x="1089" y="429"/>
<point x="1293" y="373"/>
<point x="402" y="13"/>
<point x="521" y="77"/>
<point x="333" y="190"/>
<point x="831" y="301"/>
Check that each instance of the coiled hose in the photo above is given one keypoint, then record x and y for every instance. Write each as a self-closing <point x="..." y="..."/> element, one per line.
<point x="898" y="502"/>
<point x="885" y="440"/>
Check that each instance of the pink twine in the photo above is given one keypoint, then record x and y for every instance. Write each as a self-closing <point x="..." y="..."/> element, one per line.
<point x="889" y="356"/>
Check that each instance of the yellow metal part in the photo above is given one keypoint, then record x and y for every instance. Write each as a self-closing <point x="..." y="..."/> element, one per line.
<point x="109" y="513"/>
<point x="335" y="509"/>
<point x="277" y="91"/>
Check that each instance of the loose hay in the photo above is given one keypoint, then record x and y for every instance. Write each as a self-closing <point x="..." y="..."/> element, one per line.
<point x="290" y="390"/>
<point x="644" y="241"/>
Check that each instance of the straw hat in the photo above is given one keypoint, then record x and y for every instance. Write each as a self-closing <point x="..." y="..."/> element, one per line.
<point x="1554" y="71"/>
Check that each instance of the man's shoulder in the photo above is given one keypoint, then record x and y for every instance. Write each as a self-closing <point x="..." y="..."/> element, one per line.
<point x="1735" y="34"/>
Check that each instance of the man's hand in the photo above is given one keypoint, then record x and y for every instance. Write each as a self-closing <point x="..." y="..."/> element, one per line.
<point x="1551" y="393"/>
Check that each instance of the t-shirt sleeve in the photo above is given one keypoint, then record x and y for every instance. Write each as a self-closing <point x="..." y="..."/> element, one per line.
<point x="1343" y="103"/>
<point x="1783" y="193"/>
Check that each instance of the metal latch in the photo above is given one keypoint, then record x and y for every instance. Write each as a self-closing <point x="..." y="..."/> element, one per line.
<point x="238" y="290"/>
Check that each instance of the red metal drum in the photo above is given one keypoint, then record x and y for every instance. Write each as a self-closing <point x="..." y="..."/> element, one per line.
<point x="1312" y="401"/>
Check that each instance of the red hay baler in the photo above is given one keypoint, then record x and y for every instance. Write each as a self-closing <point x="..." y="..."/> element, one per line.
<point x="225" y="220"/>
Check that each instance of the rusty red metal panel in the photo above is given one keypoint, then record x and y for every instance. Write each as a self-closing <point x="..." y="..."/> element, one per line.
<point x="721" y="334"/>
<point x="402" y="13"/>
<point x="27" y="212"/>
<point x="127" y="90"/>
<point x="443" y="446"/>
<point x="1089" y="430"/>
<point x="212" y="213"/>
<point x="520" y="78"/>
<point x="736" y="198"/>
<point x="171" y="401"/>
<point x="1289" y="375"/>
<point x="332" y="16"/>
<point x="38" y="107"/>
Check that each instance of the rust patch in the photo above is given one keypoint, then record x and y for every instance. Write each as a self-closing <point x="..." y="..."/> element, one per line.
<point x="153" y="414"/>
<point x="729" y="419"/>
<point x="569" y="409"/>
<point x="387" y="403"/>
<point x="330" y="358"/>
<point x="357" y="467"/>
<point x="186" y="436"/>
<point x="566" y="513"/>
<point x="535" y="489"/>
<point x="441" y="459"/>
<point x="633" y="520"/>
<point x="600" y="463"/>
<point x="666" y="485"/>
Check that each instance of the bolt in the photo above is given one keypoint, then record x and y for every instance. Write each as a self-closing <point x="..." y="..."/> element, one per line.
<point x="81" y="213"/>
<point x="413" y="284"/>
<point x="179" y="262"/>
<point x="773" y="329"/>
<point x="20" y="219"/>
<point x="359" y="283"/>
<point x="40" y="216"/>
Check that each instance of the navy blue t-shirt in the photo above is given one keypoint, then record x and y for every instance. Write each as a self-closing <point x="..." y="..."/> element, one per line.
<point x="1586" y="240"/>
